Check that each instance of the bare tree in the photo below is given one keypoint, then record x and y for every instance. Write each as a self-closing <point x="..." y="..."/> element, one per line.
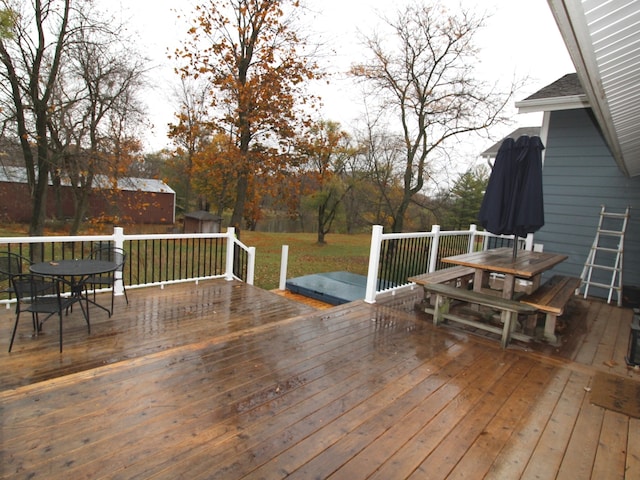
<point x="31" y="56"/>
<point x="64" y="85"/>
<point x="92" y="123"/>
<point x="420" y="73"/>
<point x="192" y="131"/>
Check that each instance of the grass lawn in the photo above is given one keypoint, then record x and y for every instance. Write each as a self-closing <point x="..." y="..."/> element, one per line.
<point x="341" y="253"/>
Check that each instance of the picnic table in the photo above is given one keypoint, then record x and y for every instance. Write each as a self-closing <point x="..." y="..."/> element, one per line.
<point x="528" y="265"/>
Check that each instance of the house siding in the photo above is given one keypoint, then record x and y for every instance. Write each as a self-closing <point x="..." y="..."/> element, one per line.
<point x="579" y="176"/>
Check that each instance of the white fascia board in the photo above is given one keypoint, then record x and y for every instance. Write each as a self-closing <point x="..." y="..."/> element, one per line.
<point x="553" y="103"/>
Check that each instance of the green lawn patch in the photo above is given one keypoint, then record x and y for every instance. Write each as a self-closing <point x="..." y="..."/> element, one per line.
<point x="348" y="253"/>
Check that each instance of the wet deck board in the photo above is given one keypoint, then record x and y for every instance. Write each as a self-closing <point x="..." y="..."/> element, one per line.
<point x="272" y="390"/>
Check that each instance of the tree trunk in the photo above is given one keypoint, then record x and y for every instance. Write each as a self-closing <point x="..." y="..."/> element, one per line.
<point x="238" y="208"/>
<point x="39" y="193"/>
<point x="398" y="219"/>
<point x="321" y="210"/>
<point x="81" y="204"/>
<point x="39" y="199"/>
<point x="56" y="185"/>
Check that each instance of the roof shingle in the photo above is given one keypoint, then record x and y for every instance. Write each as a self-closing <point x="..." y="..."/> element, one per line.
<point x="569" y="85"/>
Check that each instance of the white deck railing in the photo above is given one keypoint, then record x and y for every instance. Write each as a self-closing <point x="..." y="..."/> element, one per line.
<point x="157" y="259"/>
<point x="395" y="256"/>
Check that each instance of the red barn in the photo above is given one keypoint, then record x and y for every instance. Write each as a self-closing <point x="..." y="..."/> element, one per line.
<point x="135" y="200"/>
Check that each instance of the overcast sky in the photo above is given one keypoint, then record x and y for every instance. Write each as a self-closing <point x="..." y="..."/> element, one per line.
<point x="520" y="39"/>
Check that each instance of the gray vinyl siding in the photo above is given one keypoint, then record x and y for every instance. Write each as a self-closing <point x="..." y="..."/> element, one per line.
<point x="579" y="176"/>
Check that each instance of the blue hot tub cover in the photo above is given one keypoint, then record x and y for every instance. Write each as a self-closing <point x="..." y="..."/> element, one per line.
<point x="334" y="288"/>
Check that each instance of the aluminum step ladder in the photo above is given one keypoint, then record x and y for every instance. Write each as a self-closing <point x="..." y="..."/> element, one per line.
<point x="605" y="259"/>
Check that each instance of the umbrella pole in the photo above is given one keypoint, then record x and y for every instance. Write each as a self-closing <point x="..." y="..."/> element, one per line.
<point x="515" y="247"/>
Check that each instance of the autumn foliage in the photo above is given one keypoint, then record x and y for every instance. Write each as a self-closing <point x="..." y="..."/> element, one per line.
<point x="256" y="66"/>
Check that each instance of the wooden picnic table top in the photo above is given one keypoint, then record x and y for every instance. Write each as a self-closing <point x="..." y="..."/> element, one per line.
<point x="527" y="264"/>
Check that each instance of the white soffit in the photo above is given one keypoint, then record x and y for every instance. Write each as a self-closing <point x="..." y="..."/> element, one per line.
<point x="603" y="39"/>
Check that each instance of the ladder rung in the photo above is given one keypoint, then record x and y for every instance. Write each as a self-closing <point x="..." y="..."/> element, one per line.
<point x="594" y="264"/>
<point x="606" y="249"/>
<point x="602" y="285"/>
<point x="605" y="269"/>
<point x="613" y="233"/>
<point x="614" y="215"/>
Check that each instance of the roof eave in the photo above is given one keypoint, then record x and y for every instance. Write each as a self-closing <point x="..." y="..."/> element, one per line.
<point x="551" y="104"/>
<point x="570" y="18"/>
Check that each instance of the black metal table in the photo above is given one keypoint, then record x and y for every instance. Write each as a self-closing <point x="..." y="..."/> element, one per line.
<point x="77" y="271"/>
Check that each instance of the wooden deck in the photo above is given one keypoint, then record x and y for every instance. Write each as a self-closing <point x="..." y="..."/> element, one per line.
<point x="224" y="380"/>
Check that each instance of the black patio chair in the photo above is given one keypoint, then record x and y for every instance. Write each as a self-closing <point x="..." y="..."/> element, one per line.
<point x="40" y="295"/>
<point x="111" y="254"/>
<point x="11" y="264"/>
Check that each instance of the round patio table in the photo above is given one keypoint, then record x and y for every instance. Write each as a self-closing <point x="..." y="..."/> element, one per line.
<point x="77" y="271"/>
<point x="73" y="268"/>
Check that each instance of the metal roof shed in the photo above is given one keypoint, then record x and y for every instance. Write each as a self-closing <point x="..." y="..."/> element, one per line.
<point x="201" y="222"/>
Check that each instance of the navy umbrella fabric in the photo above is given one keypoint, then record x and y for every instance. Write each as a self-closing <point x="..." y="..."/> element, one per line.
<point x="513" y="201"/>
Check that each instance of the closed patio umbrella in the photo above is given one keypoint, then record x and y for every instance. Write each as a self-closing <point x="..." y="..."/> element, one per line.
<point x="494" y="210"/>
<point x="513" y="201"/>
<point x="527" y="215"/>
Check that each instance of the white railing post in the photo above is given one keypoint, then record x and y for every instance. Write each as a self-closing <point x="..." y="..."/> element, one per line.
<point x="433" y="256"/>
<point x="231" y="243"/>
<point x="473" y="231"/>
<point x="374" y="262"/>
<point x="283" y="267"/>
<point x="529" y="242"/>
<point x="251" y="264"/>
<point x="118" y="242"/>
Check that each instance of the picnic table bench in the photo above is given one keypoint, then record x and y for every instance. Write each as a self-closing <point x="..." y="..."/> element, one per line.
<point x="446" y="275"/>
<point x="511" y="308"/>
<point x="552" y="298"/>
<point x="456" y="276"/>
